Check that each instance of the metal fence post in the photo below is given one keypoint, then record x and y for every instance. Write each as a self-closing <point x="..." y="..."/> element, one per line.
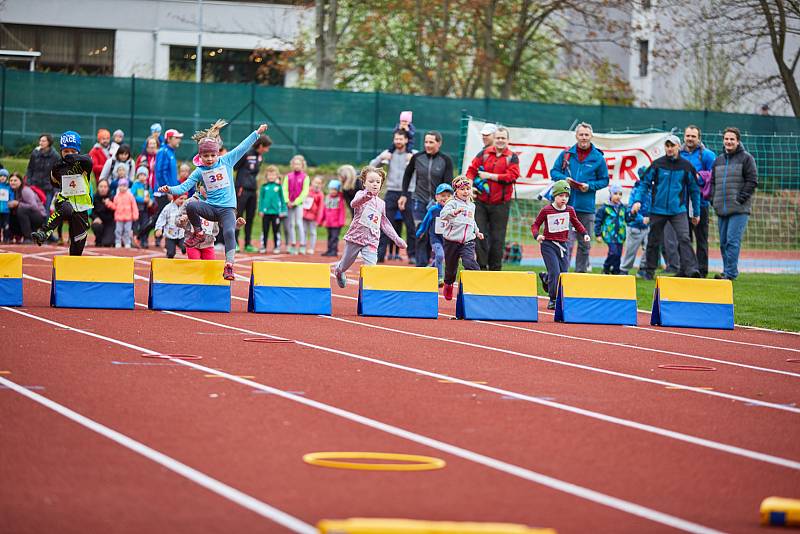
<point x="133" y="104"/>
<point x="462" y="137"/>
<point x="3" y="111"/>
<point x="375" y="122"/>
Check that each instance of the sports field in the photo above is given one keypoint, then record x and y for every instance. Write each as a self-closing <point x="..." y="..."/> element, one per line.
<point x="580" y="428"/>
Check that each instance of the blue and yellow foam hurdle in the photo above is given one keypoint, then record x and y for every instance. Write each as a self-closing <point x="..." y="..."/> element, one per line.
<point x="693" y="303"/>
<point x="596" y="299"/>
<point x="92" y="282"/>
<point x="11" y="279"/>
<point x="398" y="291"/>
<point x="188" y="285"/>
<point x="497" y="296"/>
<point x="278" y="287"/>
<point x="780" y="511"/>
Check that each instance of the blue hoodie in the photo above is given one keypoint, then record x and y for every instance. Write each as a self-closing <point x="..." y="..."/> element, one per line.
<point x="166" y="171"/>
<point x="428" y="224"/>
<point x="218" y="179"/>
<point x="703" y="160"/>
<point x="592" y="171"/>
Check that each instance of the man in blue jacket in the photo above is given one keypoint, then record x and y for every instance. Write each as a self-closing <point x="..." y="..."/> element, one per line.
<point x="671" y="182"/>
<point x="702" y="159"/>
<point x="166" y="171"/>
<point x="584" y="168"/>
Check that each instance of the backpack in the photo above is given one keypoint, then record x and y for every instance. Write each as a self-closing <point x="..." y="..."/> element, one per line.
<point x="39" y="193"/>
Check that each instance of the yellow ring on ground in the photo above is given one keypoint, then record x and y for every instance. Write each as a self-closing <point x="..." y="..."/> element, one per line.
<point x="421" y="463"/>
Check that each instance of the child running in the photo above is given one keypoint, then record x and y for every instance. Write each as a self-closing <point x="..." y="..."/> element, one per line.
<point x="553" y="239"/>
<point x="73" y="203"/>
<point x="216" y="173"/>
<point x="167" y="225"/>
<point x="609" y="227"/>
<point x="435" y="226"/>
<point x="369" y="219"/>
<point x="125" y="213"/>
<point x="459" y="233"/>
<point x="270" y="206"/>
<point x="333" y="216"/>
<point x="205" y="250"/>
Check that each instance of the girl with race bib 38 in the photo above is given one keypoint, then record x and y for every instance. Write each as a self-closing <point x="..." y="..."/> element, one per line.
<point x="369" y="218"/>
<point x="216" y="174"/>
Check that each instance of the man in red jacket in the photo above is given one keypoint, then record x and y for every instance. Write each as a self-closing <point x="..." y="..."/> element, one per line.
<point x="499" y="166"/>
<point x="99" y="152"/>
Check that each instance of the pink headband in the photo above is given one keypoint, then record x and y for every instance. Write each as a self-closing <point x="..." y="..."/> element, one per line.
<point x="208" y="146"/>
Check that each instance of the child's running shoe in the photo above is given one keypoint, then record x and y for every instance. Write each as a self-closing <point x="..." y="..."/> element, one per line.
<point x="227" y="272"/>
<point x="38" y="237"/>
<point x="441" y="282"/>
<point x="341" y="279"/>
<point x="197" y="237"/>
<point x="551" y="305"/>
<point x="448" y="292"/>
<point x="251" y="249"/>
<point x="543" y="278"/>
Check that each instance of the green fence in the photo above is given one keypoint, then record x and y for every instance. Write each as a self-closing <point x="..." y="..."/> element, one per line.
<point x="325" y="126"/>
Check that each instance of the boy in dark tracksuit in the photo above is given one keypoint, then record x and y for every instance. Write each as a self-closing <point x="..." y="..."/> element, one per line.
<point x="74" y="201"/>
<point x="609" y="227"/>
<point x="553" y="240"/>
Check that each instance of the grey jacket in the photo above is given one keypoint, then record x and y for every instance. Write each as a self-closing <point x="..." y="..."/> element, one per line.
<point x="734" y="179"/>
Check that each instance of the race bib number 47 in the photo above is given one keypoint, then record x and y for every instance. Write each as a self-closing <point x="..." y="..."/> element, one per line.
<point x="73" y="185"/>
<point x="216" y="178"/>
<point x="557" y="222"/>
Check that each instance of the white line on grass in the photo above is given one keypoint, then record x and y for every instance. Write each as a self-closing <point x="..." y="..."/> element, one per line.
<point x="232" y="494"/>
<point x="466" y="454"/>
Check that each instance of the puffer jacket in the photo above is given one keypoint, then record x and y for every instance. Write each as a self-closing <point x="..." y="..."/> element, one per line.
<point x="39" y="167"/>
<point x="734" y="179"/>
<point x="609" y="223"/>
<point x="671" y="183"/>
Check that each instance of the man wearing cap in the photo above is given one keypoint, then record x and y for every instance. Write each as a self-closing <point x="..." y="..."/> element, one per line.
<point x="671" y="183"/>
<point x="166" y="170"/>
<point x="487" y="134"/>
<point x="499" y="167"/>
<point x="584" y="168"/>
<point x="100" y="152"/>
<point x="397" y="161"/>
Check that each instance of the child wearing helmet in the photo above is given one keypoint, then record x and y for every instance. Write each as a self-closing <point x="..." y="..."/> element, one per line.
<point x="73" y="203"/>
<point x="333" y="216"/>
<point x="435" y="226"/>
<point x="270" y="206"/>
<point x="459" y="233"/>
<point x="556" y="218"/>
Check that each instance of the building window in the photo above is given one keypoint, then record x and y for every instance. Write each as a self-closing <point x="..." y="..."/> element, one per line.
<point x="644" y="46"/>
<point x="71" y="50"/>
<point x="227" y="65"/>
<point x="646" y="4"/>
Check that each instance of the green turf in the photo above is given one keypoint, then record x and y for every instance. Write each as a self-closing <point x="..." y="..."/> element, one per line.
<point x="764" y="300"/>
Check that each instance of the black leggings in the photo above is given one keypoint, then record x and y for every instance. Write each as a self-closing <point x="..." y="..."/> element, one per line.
<point x="226" y="217"/>
<point x="273" y="222"/>
<point x="78" y="224"/>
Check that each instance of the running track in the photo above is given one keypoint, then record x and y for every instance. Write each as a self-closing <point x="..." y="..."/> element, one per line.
<point x="573" y="427"/>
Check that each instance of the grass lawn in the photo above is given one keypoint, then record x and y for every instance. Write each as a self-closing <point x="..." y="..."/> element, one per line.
<point x="765" y="300"/>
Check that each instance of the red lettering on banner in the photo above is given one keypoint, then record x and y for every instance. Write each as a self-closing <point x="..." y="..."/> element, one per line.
<point x="627" y="167"/>
<point x="539" y="167"/>
<point x="610" y="164"/>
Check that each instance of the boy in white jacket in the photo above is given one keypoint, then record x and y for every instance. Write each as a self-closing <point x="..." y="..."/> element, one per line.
<point x="459" y="233"/>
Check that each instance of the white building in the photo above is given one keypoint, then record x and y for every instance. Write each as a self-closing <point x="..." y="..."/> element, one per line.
<point x="155" y="38"/>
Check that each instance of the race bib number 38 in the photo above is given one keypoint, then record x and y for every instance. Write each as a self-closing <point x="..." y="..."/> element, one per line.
<point x="216" y="178"/>
<point x="557" y="222"/>
<point x="73" y="185"/>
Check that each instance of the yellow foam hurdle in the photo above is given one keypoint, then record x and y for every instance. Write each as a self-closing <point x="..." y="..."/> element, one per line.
<point x="693" y="303"/>
<point x="92" y="282"/>
<point x="596" y="299"/>
<point x="359" y="525"/>
<point x="188" y="285"/>
<point x="497" y="296"/>
<point x="780" y="511"/>
<point x="10" y="279"/>
<point x="290" y="287"/>
<point x="398" y="291"/>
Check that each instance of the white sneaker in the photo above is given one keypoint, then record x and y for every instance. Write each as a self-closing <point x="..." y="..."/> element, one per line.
<point x="277" y="251"/>
<point x="118" y="245"/>
<point x="128" y="246"/>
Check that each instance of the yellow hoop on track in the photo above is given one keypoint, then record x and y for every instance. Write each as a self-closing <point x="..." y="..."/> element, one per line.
<point x="335" y="460"/>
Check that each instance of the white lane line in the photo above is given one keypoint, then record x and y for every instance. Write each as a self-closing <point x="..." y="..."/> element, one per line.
<point x="232" y="494"/>
<point x="466" y="454"/>
<point x="570" y="364"/>
<point x="674" y="333"/>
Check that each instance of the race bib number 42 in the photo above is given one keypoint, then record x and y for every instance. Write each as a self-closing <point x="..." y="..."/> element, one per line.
<point x="73" y="185"/>
<point x="216" y="178"/>
<point x="557" y="222"/>
<point x="372" y="220"/>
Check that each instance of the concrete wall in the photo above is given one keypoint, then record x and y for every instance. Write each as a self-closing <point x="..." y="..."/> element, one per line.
<point x="145" y="29"/>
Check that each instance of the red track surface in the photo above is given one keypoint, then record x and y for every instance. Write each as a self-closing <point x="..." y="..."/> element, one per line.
<point x="61" y="476"/>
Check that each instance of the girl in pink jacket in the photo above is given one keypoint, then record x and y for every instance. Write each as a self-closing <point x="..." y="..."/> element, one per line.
<point x="333" y="216"/>
<point x="369" y="218"/>
<point x="125" y="212"/>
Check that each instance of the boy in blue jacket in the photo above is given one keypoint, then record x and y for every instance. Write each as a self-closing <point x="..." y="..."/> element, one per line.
<point x="584" y="168"/>
<point x="609" y="227"/>
<point x="435" y="227"/>
<point x="671" y="183"/>
<point x="216" y="173"/>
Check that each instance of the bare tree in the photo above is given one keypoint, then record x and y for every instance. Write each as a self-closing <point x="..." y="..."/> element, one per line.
<point x="326" y="39"/>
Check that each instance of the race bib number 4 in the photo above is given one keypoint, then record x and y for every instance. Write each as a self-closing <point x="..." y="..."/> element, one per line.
<point x="4" y="196"/>
<point x="372" y="220"/>
<point x="557" y="222"/>
<point x="73" y="185"/>
<point x="216" y="178"/>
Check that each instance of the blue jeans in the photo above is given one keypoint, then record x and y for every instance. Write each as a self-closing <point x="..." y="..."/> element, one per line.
<point x="438" y="252"/>
<point x="731" y="229"/>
